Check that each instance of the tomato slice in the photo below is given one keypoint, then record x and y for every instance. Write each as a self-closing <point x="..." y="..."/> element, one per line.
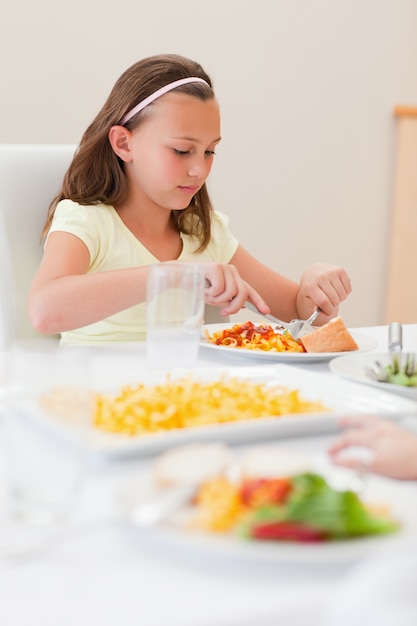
<point x="256" y="492"/>
<point x="287" y="531"/>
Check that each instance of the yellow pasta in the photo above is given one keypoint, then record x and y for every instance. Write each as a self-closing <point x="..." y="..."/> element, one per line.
<point x="219" y="505"/>
<point x="186" y="402"/>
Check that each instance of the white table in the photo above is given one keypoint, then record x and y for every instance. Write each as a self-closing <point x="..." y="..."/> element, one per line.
<point x="113" y="574"/>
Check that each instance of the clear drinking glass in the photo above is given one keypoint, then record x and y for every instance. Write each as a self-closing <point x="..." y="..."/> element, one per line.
<point x="174" y="314"/>
<point x="46" y="397"/>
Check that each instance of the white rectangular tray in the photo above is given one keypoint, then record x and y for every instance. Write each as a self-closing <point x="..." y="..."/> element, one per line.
<point x="342" y="397"/>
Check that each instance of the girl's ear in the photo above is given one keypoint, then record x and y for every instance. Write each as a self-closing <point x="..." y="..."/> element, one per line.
<point x="119" y="138"/>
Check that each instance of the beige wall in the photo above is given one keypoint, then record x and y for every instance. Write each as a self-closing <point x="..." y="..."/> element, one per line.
<point x="307" y="89"/>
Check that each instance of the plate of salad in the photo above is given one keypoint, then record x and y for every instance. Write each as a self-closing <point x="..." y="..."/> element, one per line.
<point x="314" y="515"/>
<point x="399" y="377"/>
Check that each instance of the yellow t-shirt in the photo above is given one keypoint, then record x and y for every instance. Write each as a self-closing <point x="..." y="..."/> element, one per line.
<point x="113" y="246"/>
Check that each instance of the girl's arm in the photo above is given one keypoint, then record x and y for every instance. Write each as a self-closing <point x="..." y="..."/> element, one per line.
<point x="321" y="285"/>
<point x="63" y="296"/>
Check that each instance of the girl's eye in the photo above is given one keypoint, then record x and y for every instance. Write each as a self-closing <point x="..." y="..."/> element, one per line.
<point x="185" y="152"/>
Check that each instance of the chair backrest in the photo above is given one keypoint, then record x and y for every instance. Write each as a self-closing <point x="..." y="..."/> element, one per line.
<point x="30" y="176"/>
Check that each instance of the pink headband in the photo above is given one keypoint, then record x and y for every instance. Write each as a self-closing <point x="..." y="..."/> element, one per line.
<point x="159" y="93"/>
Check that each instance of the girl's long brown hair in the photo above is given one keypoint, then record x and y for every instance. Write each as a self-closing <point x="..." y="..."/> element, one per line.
<point x="96" y="175"/>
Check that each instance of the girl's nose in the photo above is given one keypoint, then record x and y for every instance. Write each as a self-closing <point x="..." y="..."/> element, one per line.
<point x="198" y="168"/>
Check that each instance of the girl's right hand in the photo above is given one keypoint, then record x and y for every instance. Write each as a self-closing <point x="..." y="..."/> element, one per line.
<point x="227" y="289"/>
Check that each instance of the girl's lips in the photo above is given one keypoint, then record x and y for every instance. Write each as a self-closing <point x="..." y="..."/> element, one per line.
<point x="189" y="189"/>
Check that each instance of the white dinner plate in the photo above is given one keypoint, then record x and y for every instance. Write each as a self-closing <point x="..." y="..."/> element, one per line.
<point x="176" y="533"/>
<point x="340" y="396"/>
<point x="365" y="343"/>
<point x="353" y="367"/>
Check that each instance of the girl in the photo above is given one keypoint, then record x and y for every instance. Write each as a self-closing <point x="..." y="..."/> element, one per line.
<point x="135" y="194"/>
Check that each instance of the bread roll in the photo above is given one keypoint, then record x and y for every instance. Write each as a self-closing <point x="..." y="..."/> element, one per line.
<point x="191" y="464"/>
<point x="332" y="337"/>
<point x="273" y="462"/>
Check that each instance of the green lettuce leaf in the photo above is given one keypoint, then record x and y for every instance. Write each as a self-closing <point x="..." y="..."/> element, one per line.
<point x="313" y="502"/>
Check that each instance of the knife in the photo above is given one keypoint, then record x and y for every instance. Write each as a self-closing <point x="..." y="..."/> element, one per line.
<point x="271" y="318"/>
<point x="161" y="505"/>
<point x="395" y="345"/>
<point x="395" y="337"/>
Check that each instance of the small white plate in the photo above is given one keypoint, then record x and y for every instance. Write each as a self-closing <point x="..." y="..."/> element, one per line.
<point x="353" y="367"/>
<point x="365" y="344"/>
<point x="379" y="490"/>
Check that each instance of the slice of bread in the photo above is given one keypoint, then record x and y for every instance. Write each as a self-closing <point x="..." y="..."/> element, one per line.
<point x="332" y="337"/>
<point x="191" y="464"/>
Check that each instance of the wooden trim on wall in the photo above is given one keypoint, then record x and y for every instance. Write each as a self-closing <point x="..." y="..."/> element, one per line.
<point x="402" y="273"/>
<point x="402" y="110"/>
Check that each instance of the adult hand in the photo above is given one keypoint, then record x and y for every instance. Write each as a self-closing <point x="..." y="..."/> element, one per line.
<point x="394" y="448"/>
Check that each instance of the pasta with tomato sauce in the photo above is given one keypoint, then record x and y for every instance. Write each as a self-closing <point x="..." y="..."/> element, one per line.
<point x="255" y="337"/>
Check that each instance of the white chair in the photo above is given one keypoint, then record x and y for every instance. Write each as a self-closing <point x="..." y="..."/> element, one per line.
<point x="30" y="176"/>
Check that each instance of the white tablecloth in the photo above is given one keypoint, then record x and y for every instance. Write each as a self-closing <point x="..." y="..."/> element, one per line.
<point x="110" y="574"/>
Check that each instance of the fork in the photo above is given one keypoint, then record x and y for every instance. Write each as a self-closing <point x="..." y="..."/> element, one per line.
<point x="401" y="364"/>
<point x="297" y="328"/>
<point x="380" y="372"/>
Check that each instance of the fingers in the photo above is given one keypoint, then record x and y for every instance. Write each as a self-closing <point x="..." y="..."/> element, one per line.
<point x="333" y="291"/>
<point x="256" y="299"/>
<point x="392" y="449"/>
<point x="340" y="283"/>
<point x="352" y="463"/>
<point x="364" y="438"/>
<point x="375" y="426"/>
<point x="326" y="285"/>
<point x="225" y="288"/>
<point x="346" y="282"/>
<point x="360" y="430"/>
<point x="359" y="421"/>
<point x="223" y="283"/>
<point x="353" y="437"/>
<point x="248" y="293"/>
<point x="370" y="432"/>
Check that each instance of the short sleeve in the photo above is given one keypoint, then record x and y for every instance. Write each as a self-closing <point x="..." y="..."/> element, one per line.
<point x="222" y="245"/>
<point x="82" y="221"/>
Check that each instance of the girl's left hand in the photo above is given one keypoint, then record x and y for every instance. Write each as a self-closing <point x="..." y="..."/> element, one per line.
<point x="324" y="286"/>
